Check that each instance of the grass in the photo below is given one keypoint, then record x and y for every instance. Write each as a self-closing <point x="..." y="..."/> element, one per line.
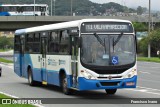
<point x="5" y="60"/>
<point x="152" y="59"/>
<point x="4" y="50"/>
<point x="12" y="105"/>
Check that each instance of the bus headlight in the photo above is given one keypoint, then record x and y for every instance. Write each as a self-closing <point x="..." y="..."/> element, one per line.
<point x="87" y="75"/>
<point x="131" y="73"/>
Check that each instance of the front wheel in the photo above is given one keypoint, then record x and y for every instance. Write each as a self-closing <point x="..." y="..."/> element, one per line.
<point x="110" y="91"/>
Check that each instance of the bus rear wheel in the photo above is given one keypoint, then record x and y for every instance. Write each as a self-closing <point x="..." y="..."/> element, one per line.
<point x="111" y="91"/>
<point x="64" y="83"/>
<point x="30" y="78"/>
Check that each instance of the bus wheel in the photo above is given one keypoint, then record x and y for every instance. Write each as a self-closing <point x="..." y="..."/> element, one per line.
<point x="30" y="78"/>
<point x="64" y="85"/>
<point x="110" y="91"/>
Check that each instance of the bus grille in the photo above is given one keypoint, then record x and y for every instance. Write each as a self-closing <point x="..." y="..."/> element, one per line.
<point x="109" y="83"/>
<point x="116" y="71"/>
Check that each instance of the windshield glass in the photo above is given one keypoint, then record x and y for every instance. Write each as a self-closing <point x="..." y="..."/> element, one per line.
<point x="107" y="50"/>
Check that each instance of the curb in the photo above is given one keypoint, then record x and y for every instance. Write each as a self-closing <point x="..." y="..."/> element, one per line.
<point x="9" y="64"/>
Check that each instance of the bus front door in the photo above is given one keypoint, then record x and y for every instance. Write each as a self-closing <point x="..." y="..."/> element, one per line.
<point x="22" y="66"/>
<point x="43" y="60"/>
<point x="74" y="64"/>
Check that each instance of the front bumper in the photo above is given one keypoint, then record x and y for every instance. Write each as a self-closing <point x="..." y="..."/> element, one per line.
<point x="86" y="84"/>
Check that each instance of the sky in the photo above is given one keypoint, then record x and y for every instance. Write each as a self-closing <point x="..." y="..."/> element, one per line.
<point x="155" y="4"/>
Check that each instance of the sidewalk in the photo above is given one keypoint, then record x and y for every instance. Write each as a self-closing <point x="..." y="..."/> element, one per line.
<point x="10" y="65"/>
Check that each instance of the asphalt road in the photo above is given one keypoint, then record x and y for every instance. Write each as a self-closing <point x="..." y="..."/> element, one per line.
<point x="148" y="87"/>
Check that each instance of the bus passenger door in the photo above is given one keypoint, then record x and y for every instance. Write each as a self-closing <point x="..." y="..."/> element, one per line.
<point x="22" y="64"/>
<point x="74" y="59"/>
<point x="43" y="60"/>
<point x="43" y="9"/>
<point x="18" y="55"/>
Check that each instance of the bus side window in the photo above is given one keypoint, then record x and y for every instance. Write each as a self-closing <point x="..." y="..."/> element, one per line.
<point x="17" y="44"/>
<point x="1" y="10"/>
<point x="29" y="45"/>
<point x="36" y="47"/>
<point x="64" y="42"/>
<point x="54" y="42"/>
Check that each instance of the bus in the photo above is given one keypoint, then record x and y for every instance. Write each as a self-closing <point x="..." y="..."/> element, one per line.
<point x="24" y="10"/>
<point x="86" y="54"/>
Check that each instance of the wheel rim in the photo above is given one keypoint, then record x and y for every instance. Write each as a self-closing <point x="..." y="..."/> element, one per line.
<point x="29" y="78"/>
<point x="65" y="84"/>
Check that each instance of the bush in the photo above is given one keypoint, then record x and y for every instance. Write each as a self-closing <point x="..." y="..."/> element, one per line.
<point x="6" y="42"/>
<point x="153" y="39"/>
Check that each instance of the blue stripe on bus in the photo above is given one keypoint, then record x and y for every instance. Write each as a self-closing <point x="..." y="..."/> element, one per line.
<point x="5" y="14"/>
<point x="85" y="84"/>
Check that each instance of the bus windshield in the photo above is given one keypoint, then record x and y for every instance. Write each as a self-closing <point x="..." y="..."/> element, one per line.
<point x="107" y="50"/>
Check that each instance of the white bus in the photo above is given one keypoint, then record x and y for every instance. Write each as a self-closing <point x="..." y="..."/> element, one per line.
<point x="24" y="10"/>
<point x="86" y="54"/>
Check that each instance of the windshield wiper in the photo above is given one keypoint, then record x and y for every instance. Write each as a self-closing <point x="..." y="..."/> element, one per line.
<point x="99" y="40"/>
<point x="117" y="40"/>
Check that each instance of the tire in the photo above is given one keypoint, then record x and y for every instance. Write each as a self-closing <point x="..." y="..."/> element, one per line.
<point x="30" y="78"/>
<point x="0" y="74"/>
<point x="65" y="89"/>
<point x="111" y="91"/>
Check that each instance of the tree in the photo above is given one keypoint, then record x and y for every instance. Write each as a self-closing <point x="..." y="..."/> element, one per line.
<point x="139" y="10"/>
<point x="3" y="42"/>
<point x="140" y="26"/>
<point x="154" y="39"/>
<point x="143" y="46"/>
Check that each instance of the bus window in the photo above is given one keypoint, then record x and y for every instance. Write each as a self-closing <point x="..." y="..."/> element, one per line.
<point x="64" y="42"/>
<point x="36" y="43"/>
<point x="5" y="9"/>
<point x="1" y="9"/>
<point x="33" y="43"/>
<point x="37" y="37"/>
<point x="37" y="8"/>
<point x="12" y="8"/>
<point x="53" y="42"/>
<point x="29" y="45"/>
<point x="29" y="8"/>
<point x="17" y="44"/>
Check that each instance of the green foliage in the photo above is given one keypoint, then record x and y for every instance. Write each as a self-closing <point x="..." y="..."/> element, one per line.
<point x="6" y="42"/>
<point x="140" y="26"/>
<point x="5" y="60"/>
<point x="152" y="59"/>
<point x="139" y="10"/>
<point x="153" y="39"/>
<point x="143" y="46"/>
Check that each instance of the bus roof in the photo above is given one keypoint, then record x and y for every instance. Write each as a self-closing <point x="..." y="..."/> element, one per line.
<point x="63" y="25"/>
<point x="23" y="4"/>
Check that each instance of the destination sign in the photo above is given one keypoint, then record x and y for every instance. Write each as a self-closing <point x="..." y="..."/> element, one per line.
<point x="106" y="27"/>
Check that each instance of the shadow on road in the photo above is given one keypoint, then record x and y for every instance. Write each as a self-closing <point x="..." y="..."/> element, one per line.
<point x="80" y="94"/>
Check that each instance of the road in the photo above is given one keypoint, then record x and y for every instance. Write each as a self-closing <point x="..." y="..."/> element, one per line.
<point x="7" y="55"/>
<point x="148" y="87"/>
